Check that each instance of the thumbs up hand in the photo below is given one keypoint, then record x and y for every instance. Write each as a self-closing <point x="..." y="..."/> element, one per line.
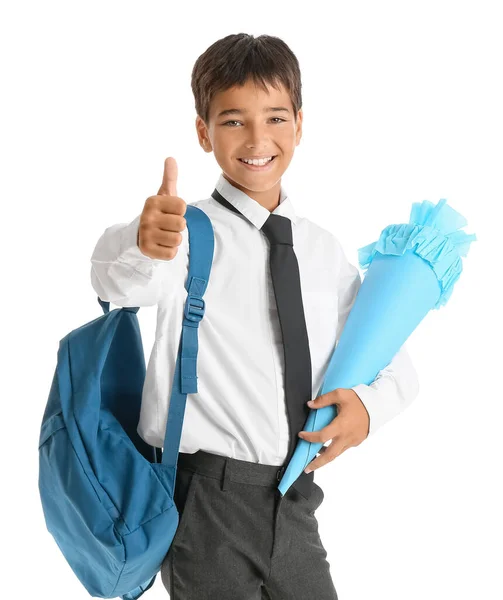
<point x="162" y="219"/>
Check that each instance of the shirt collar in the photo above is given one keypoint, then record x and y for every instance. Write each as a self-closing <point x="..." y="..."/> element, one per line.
<point x="250" y="208"/>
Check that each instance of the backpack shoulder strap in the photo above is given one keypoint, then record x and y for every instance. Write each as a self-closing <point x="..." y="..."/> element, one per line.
<point x="201" y="248"/>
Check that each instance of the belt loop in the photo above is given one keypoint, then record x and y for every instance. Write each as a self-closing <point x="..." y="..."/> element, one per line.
<point x="225" y="477"/>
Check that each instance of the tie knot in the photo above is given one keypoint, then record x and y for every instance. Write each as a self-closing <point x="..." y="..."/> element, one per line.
<point x="278" y="230"/>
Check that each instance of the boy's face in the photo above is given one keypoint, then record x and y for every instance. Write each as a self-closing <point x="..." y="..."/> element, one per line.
<point x="255" y="130"/>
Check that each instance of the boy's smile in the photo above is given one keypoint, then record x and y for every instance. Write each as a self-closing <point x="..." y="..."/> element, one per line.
<point x="258" y="163"/>
<point x="245" y="122"/>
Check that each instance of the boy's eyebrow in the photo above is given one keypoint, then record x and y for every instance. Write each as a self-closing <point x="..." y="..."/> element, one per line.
<point x="235" y="111"/>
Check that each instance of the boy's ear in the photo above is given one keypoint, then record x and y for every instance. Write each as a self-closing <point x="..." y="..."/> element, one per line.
<point x="202" y="135"/>
<point x="298" y="132"/>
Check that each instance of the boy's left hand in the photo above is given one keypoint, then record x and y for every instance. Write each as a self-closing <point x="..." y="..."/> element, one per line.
<point x="349" y="428"/>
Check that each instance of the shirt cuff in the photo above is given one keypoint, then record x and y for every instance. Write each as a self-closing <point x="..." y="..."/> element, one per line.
<point x="370" y="398"/>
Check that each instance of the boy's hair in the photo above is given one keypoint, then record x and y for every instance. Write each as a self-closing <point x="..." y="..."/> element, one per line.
<point x="238" y="57"/>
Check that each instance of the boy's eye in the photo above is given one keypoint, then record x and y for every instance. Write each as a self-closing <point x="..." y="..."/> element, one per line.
<point x="273" y="118"/>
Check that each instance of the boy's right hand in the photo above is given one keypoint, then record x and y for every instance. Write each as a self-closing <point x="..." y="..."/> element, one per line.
<point x="162" y="219"/>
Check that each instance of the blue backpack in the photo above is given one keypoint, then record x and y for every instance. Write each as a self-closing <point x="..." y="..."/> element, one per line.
<point x="107" y="495"/>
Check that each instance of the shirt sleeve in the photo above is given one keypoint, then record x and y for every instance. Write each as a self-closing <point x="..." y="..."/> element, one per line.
<point x="123" y="275"/>
<point x="394" y="387"/>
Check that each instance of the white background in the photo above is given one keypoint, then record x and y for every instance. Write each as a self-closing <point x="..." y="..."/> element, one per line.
<point x="402" y="102"/>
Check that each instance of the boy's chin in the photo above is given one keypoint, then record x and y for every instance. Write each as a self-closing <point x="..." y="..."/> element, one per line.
<point x="255" y="182"/>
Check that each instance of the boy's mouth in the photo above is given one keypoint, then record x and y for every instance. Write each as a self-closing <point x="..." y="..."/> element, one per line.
<point x="259" y="167"/>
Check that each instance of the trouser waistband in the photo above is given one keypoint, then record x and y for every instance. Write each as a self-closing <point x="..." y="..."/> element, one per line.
<point x="240" y="471"/>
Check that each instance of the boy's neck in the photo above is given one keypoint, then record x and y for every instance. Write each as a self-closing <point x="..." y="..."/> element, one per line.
<point x="269" y="199"/>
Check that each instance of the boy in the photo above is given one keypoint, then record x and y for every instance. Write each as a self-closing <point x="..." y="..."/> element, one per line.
<point x="238" y="539"/>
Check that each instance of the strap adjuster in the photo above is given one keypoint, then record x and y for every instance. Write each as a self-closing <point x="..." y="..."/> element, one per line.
<point x="194" y="308"/>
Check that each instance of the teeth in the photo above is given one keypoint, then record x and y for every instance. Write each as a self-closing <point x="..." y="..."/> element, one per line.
<point x="257" y="161"/>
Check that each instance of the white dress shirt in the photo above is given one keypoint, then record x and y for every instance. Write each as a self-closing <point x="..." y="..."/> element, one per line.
<point x="239" y="410"/>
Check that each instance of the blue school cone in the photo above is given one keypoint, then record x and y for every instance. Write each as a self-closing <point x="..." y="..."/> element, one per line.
<point x="411" y="269"/>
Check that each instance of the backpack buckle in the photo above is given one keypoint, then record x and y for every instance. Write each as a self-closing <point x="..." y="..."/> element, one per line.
<point x="194" y="308"/>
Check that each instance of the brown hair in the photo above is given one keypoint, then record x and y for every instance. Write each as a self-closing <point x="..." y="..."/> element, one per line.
<point x="238" y="57"/>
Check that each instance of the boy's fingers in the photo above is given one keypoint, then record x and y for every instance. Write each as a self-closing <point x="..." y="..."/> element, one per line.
<point x="170" y="176"/>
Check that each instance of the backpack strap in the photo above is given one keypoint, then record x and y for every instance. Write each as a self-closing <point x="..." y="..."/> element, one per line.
<point x="201" y="247"/>
<point x="201" y="244"/>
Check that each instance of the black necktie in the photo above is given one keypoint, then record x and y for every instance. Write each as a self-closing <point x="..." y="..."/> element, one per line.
<point x="286" y="283"/>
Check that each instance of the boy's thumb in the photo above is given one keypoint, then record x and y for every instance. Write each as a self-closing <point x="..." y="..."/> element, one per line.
<point x="168" y="186"/>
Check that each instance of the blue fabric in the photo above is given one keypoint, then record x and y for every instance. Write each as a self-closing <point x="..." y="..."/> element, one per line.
<point x="106" y="499"/>
<point x="432" y="233"/>
<point x="410" y="270"/>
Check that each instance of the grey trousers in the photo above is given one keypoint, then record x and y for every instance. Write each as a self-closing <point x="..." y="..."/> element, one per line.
<point x="239" y="539"/>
